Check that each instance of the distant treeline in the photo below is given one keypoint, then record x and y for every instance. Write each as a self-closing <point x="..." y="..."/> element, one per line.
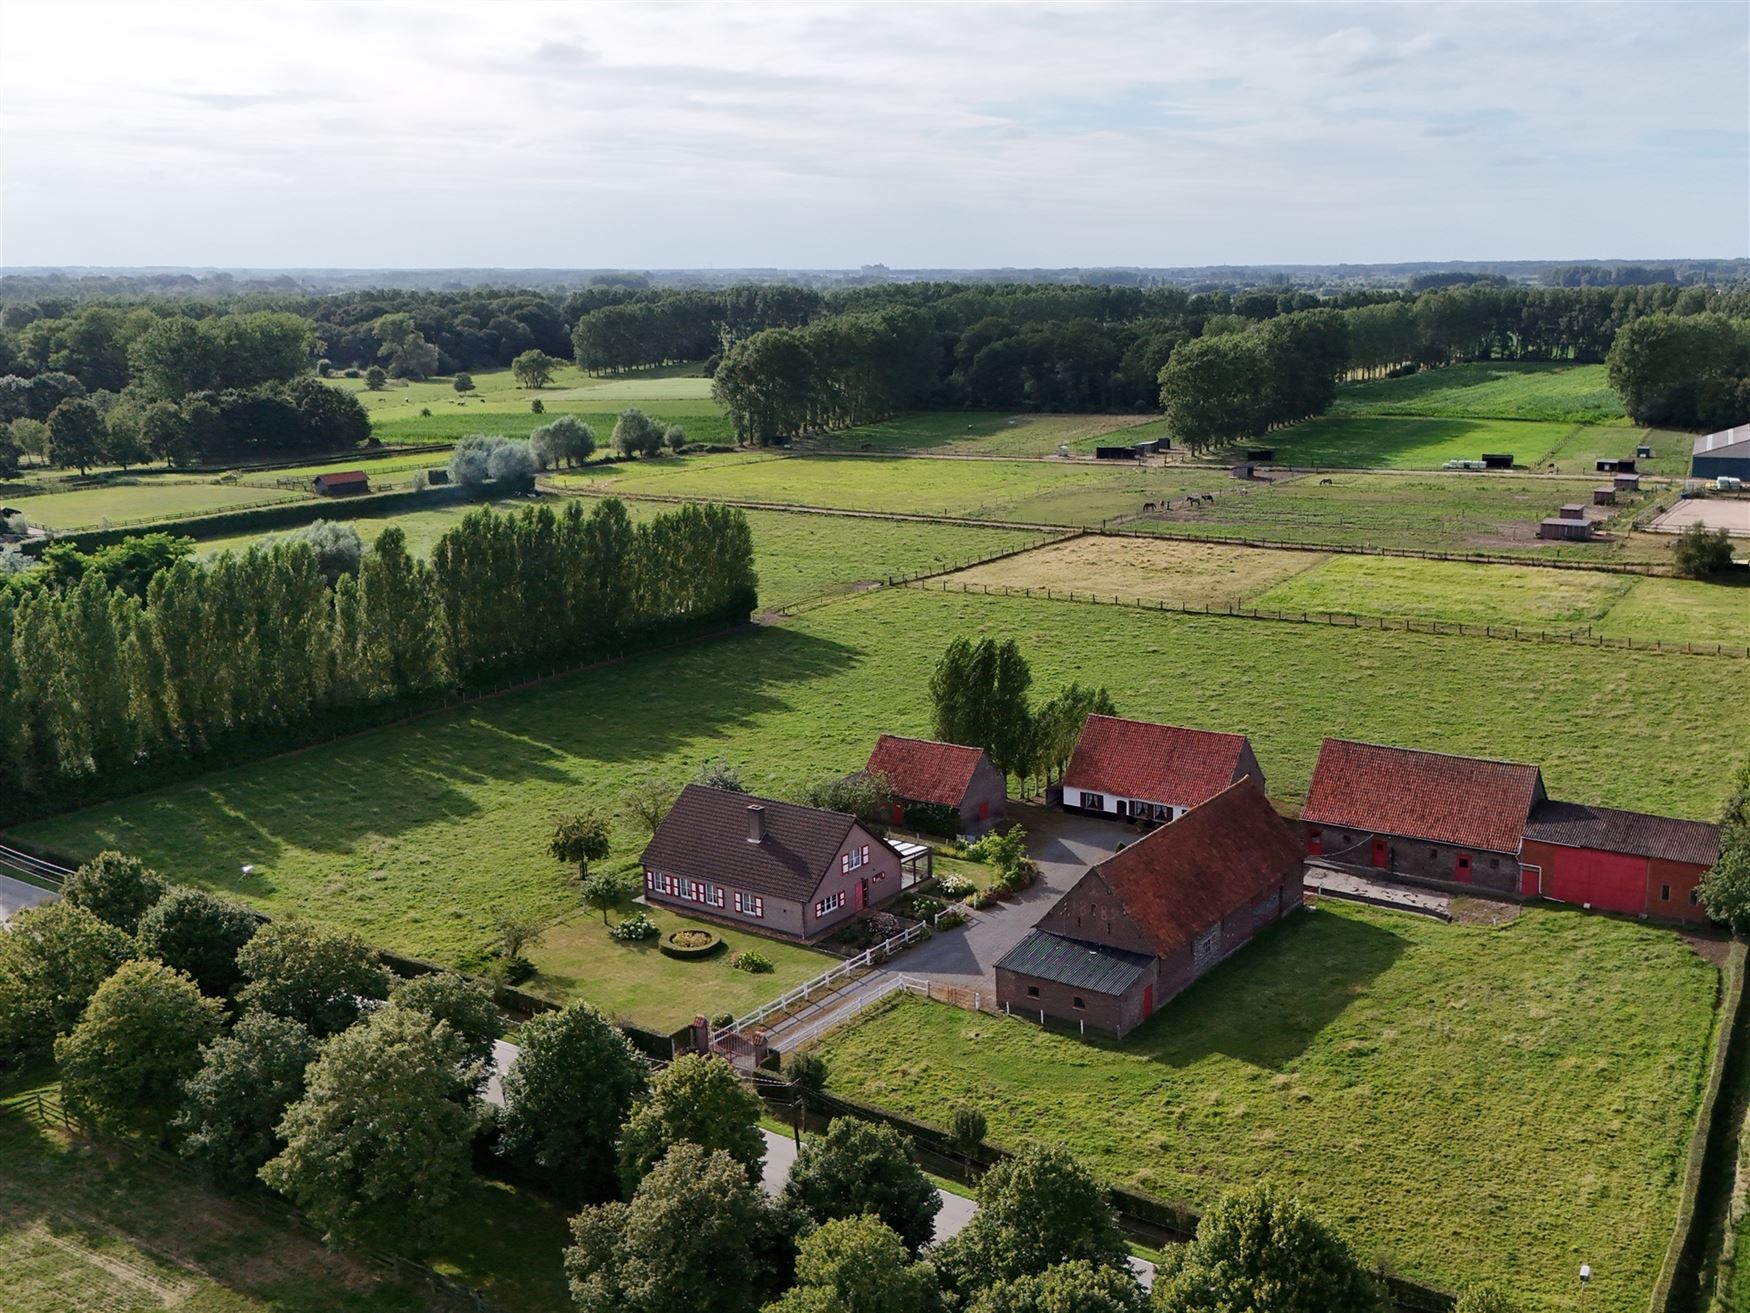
<point x="100" y="686"/>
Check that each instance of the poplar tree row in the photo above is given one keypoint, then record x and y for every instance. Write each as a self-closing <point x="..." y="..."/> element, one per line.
<point x="95" y="682"/>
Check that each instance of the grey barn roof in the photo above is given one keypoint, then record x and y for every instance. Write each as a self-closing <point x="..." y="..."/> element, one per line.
<point x="1733" y="441"/>
<point x="1092" y="967"/>
<point x="704" y="837"/>
<point x="1575" y="825"/>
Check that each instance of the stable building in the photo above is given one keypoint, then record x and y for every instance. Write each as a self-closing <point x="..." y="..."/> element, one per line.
<point x="1136" y="770"/>
<point x="342" y="483"/>
<point x="1425" y="816"/>
<point x="1142" y="925"/>
<point x="1723" y="454"/>
<point x="776" y="868"/>
<point x="1617" y="861"/>
<point x="923" y="774"/>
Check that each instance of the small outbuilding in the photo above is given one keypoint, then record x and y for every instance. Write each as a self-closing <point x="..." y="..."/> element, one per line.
<point x="776" y="868"/>
<point x="1628" y="483"/>
<point x="1265" y="454"/>
<point x="1573" y="511"/>
<point x="1620" y="465"/>
<point x="1497" y="460"/>
<point x="930" y="779"/>
<point x="1114" y="453"/>
<point x="1618" y="861"/>
<point x="1604" y="496"/>
<point x="342" y="483"/>
<point x="1136" y="770"/>
<point x="1139" y="927"/>
<point x="1726" y="453"/>
<point x="1425" y="816"/>
<point x="1561" y="527"/>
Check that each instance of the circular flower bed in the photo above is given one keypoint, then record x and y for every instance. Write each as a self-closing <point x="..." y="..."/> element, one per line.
<point x="690" y="943"/>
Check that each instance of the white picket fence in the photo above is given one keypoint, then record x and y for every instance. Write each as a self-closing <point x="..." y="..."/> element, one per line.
<point x="890" y="985"/>
<point x="829" y="978"/>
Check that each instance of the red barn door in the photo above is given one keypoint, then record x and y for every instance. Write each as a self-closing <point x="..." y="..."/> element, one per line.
<point x="1605" y="880"/>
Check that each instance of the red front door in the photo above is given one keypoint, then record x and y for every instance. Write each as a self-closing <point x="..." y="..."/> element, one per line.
<point x="1381" y="853"/>
<point x="1463" y="870"/>
<point x="1313" y="846"/>
<point x="1148" y="1000"/>
<point x="862" y="894"/>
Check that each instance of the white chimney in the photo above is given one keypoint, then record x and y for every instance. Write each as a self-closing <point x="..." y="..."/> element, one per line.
<point x="756" y="823"/>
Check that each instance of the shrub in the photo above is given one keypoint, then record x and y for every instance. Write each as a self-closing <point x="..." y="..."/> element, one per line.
<point x="463" y="382"/>
<point x="723" y="1019"/>
<point x="691" y="943"/>
<point x="634" y="928"/>
<point x="933" y="818"/>
<point x="753" y="962"/>
<point x="1700" y="553"/>
<point x="513" y="970"/>
<point x="952" y="919"/>
<point x="536" y="408"/>
<point x="950" y="885"/>
<point x="375" y="378"/>
<point x="425" y="412"/>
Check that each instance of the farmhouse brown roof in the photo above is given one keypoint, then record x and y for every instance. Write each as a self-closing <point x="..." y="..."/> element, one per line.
<point x="344" y="476"/>
<point x="705" y="836"/>
<point x="1576" y="825"/>
<point x="1215" y="859"/>
<point x="1157" y="763"/>
<point x="1470" y="802"/>
<point x="922" y="770"/>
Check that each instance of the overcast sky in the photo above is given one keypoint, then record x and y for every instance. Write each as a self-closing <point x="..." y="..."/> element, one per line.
<point x="407" y="133"/>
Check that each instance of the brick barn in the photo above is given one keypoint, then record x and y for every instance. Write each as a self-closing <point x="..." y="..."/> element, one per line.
<point x="772" y="867"/>
<point x="1427" y="816"/>
<point x="1143" y="924"/>
<point x="1135" y="770"/>
<point x="924" y="772"/>
<point x="1617" y="861"/>
<point x="343" y="483"/>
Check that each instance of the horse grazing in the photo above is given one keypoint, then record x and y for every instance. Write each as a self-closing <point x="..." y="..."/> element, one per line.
<point x="1323" y="482"/>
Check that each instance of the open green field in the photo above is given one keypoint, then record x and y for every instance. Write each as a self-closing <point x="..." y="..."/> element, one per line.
<point x="147" y="500"/>
<point x="1019" y="490"/>
<point x="991" y="433"/>
<point x="417" y="836"/>
<point x="1493" y="389"/>
<point x="1462" y="1102"/>
<point x="93" y="1229"/>
<point x="394" y="467"/>
<point x="1179" y="573"/>
<point x="798" y="555"/>
<point x="1490" y="513"/>
<point x="1700" y="612"/>
<point x="1588" y="444"/>
<point x="1411" y="442"/>
<point x="499" y="405"/>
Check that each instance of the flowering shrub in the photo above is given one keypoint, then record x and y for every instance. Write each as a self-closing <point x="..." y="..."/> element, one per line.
<point x="950" y="885"/>
<point x="634" y="928"/>
<point x="752" y="962"/>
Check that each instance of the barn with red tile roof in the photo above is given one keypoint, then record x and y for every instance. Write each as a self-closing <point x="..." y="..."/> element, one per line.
<point x="1428" y="816"/>
<point x="1132" y="769"/>
<point x="1618" y="861"/>
<point x="1142" y="925"/>
<point x="926" y="776"/>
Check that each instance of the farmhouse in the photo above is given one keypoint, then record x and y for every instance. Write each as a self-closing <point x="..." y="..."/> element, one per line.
<point x="774" y="867"/>
<point x="1724" y="453"/>
<point x="1142" y="925"/>
<point x="342" y="483"/>
<point x="926" y="776"/>
<point x="1425" y="815"/>
<point x="1617" y="861"/>
<point x="1134" y="769"/>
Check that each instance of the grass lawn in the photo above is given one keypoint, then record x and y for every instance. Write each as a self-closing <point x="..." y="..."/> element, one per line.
<point x="1586" y="445"/>
<point x="577" y="959"/>
<point x="1461" y="1102"/>
<point x="1491" y="389"/>
<point x="498" y="405"/>
<point x="1560" y="600"/>
<point x="798" y="555"/>
<point x="1025" y="491"/>
<point x="393" y="467"/>
<point x="990" y="433"/>
<point x="418" y="836"/>
<point x="1177" y="572"/>
<point x="91" y="1229"/>
<point x="1683" y="608"/>
<point x="146" y="500"/>
<point x="1492" y="513"/>
<point x="1412" y="443"/>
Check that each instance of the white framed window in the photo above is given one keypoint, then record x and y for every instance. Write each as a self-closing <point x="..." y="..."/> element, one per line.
<point x="854" y="859"/>
<point x="714" y="895"/>
<point x="1094" y="801"/>
<point x="748" y="905"/>
<point x="831" y="903"/>
<point x="650" y="878"/>
<point x="665" y="884"/>
<point x="696" y="890"/>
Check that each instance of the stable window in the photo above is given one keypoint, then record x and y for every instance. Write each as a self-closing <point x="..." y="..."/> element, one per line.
<point x="1094" y="801"/>
<point x="1695" y="896"/>
<point x="1080" y="1004"/>
<point x="1664" y="893"/>
<point x="1032" y="991"/>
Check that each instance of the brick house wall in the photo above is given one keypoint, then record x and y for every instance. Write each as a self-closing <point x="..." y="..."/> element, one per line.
<point x="783" y="918"/>
<point x="1671" y="891"/>
<point x="1109" y="1014"/>
<point x="1645" y="886"/>
<point x="986" y="801"/>
<point x="1091" y="912"/>
<point x="1393" y="856"/>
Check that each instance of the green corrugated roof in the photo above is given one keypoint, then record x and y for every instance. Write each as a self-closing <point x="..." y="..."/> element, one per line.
<point x="1071" y="962"/>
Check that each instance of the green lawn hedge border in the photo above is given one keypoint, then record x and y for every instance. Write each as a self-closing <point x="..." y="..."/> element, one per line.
<point x="687" y="952"/>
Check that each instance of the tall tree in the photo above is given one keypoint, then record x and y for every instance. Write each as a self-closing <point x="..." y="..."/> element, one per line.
<point x="1074" y="1287"/>
<point x="233" y="1104"/>
<point x="199" y="934"/>
<point x="859" y="1168"/>
<point x="115" y="887"/>
<point x="52" y="959"/>
<point x="534" y="369"/>
<point x="314" y="976"/>
<point x="378" y="1144"/>
<point x="1213" y="389"/>
<point x="572" y="1085"/>
<point x="858" y="1265"/>
<point x="140" y="1038"/>
<point x="464" y="1005"/>
<point x="699" y="1100"/>
<point x="77" y="434"/>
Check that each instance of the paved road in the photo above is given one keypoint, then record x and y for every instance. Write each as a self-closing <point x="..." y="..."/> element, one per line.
<point x="16" y="895"/>
<point x="1063" y="844"/>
